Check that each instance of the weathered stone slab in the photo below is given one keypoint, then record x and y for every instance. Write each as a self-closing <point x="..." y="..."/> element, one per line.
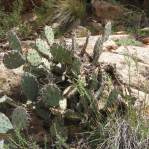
<point x="132" y="68"/>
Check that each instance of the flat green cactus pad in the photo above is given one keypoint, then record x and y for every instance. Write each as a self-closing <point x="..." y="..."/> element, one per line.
<point x="20" y="118"/>
<point x="5" y="124"/>
<point x="14" y="41"/>
<point x="34" y="58"/>
<point x="13" y="59"/>
<point x="29" y="85"/>
<point x="49" y="34"/>
<point x="43" y="47"/>
<point x="51" y="95"/>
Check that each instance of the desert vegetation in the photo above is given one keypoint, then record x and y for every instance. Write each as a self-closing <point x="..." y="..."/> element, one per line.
<point x="74" y="74"/>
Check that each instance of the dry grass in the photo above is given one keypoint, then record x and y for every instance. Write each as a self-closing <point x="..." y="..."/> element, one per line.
<point x="66" y="12"/>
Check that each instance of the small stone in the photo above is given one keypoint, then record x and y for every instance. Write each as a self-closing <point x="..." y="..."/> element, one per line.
<point x="145" y="40"/>
<point x="110" y="45"/>
<point x="81" y="31"/>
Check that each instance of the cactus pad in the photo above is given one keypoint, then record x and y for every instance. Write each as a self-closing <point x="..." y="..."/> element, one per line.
<point x="20" y="118"/>
<point x="107" y="31"/>
<point x="34" y="58"/>
<point x="43" y="47"/>
<point x="49" y="34"/>
<point x="5" y="124"/>
<point x="29" y="85"/>
<point x="61" y="54"/>
<point x="14" y="41"/>
<point x="13" y="59"/>
<point x="51" y="95"/>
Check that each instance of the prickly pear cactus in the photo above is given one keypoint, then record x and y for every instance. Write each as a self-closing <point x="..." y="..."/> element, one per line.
<point x="14" y="41"/>
<point x="20" y="118"/>
<point x="49" y="34"/>
<point x="5" y="124"/>
<point x="34" y="58"/>
<point x="61" y="54"/>
<point x="13" y="59"/>
<point x="43" y="47"/>
<point x="51" y="95"/>
<point x="29" y="85"/>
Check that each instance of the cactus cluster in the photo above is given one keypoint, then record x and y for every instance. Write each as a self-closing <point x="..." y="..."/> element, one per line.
<point x="57" y="79"/>
<point x="45" y="55"/>
<point x="44" y="58"/>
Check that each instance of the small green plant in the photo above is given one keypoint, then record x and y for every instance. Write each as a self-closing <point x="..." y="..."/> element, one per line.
<point x="143" y="31"/>
<point x="128" y="42"/>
